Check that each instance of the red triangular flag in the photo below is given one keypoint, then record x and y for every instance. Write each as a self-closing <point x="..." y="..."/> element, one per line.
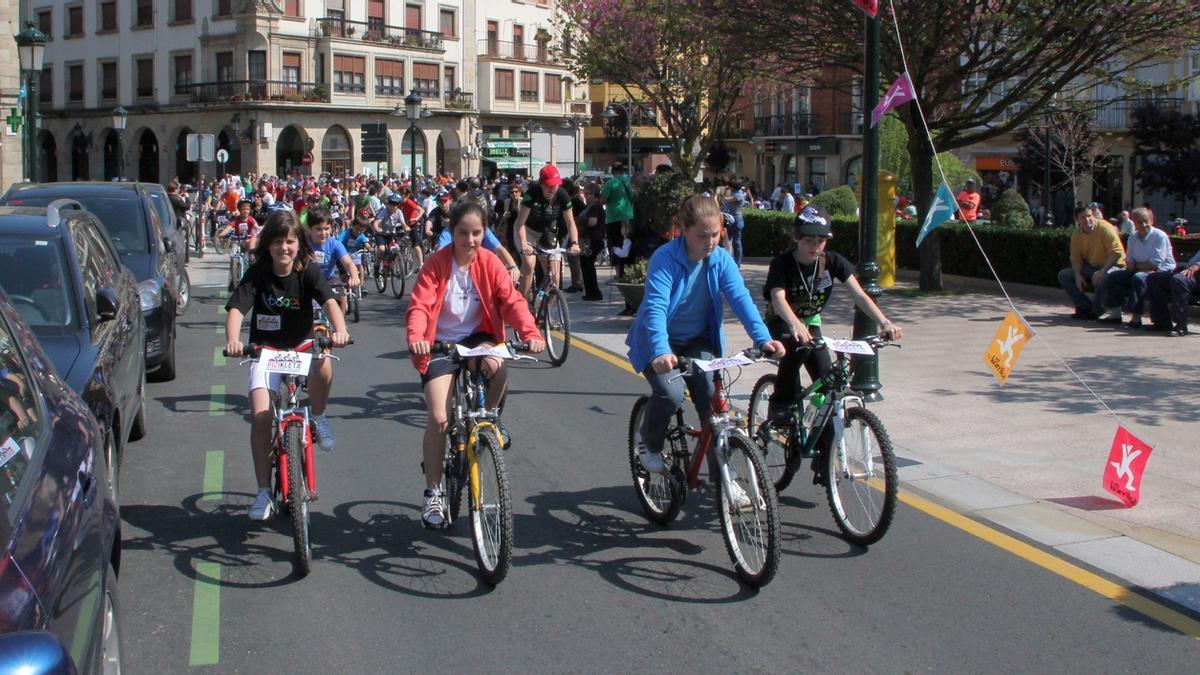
<point x="1125" y="465"/>
<point x="871" y="7"/>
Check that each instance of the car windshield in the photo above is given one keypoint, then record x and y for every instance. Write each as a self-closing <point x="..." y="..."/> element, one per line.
<point x="34" y="274"/>
<point x="121" y="215"/>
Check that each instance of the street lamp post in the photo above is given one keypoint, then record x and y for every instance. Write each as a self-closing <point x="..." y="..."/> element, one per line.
<point x="413" y="112"/>
<point x="530" y="128"/>
<point x="31" y="48"/>
<point x="120" y="117"/>
<point x="1047" y="216"/>
<point x="611" y="113"/>
<point x="575" y="122"/>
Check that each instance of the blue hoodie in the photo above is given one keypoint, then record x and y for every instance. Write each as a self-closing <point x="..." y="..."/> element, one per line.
<point x="665" y="280"/>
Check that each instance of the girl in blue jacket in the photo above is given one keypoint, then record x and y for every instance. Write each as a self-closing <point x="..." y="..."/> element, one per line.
<point x="681" y="314"/>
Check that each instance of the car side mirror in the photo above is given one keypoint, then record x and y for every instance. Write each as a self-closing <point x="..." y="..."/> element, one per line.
<point x="169" y="244"/>
<point x="106" y="304"/>
<point x="35" y="652"/>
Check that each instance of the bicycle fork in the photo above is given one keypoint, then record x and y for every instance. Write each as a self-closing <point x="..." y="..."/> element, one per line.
<point x="839" y="440"/>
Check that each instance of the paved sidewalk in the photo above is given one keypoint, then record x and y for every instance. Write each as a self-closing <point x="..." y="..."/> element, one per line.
<point x="1027" y="455"/>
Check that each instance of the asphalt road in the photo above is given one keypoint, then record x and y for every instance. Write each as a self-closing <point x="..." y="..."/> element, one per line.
<point x="594" y="586"/>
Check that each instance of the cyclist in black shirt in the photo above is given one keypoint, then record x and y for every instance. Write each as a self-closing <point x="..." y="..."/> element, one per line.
<point x="799" y="284"/>
<point x="540" y="211"/>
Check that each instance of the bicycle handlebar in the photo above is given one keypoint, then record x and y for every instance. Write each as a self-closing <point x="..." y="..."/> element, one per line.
<point x="877" y="341"/>
<point x="252" y="351"/>
<point x="684" y="363"/>
<point x="451" y="348"/>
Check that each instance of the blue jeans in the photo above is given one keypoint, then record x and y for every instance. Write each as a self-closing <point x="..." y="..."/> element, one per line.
<point x="735" y="238"/>
<point x="1123" y="282"/>
<point x="1066" y="279"/>
<point x="666" y="395"/>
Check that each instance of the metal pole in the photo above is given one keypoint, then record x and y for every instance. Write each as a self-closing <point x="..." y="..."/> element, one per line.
<point x="866" y="370"/>
<point x="629" y="134"/>
<point x="1047" y="219"/>
<point x="121" y="154"/>
<point x="412" y="155"/>
<point x="31" y="103"/>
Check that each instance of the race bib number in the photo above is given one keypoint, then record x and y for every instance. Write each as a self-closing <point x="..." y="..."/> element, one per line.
<point x="285" y="362"/>
<point x="269" y="322"/>
<point x="826" y="282"/>
<point x="721" y="364"/>
<point x="851" y="347"/>
<point x="356" y="257"/>
<point x="499" y="351"/>
<point x="9" y="450"/>
<point x="319" y="256"/>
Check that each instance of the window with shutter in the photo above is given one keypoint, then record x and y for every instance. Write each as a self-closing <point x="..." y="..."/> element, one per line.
<point x="504" y="85"/>
<point x="425" y="79"/>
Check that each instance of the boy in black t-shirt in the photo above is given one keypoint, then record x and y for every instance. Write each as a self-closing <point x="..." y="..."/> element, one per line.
<point x="799" y="284"/>
<point x="278" y="292"/>
<point x="540" y="211"/>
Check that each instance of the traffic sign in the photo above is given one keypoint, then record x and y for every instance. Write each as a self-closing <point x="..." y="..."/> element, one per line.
<point x="222" y="155"/>
<point x="374" y="142"/>
<point x="200" y="147"/>
<point x="306" y="159"/>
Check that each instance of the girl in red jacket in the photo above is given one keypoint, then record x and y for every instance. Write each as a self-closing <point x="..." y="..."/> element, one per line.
<point x="464" y="295"/>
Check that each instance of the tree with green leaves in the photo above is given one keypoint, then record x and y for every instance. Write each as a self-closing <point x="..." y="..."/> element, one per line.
<point x="981" y="68"/>
<point x="1167" y="145"/>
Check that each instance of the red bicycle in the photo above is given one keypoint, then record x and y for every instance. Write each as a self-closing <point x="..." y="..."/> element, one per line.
<point x="293" y="467"/>
<point x="748" y="503"/>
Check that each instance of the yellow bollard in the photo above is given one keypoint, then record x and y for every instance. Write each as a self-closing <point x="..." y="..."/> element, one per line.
<point x="885" y="243"/>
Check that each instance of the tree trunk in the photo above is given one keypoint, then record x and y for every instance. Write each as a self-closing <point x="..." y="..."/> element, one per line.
<point x="921" y="157"/>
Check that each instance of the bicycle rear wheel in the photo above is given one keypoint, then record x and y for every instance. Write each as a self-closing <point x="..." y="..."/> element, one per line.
<point x="556" y="326"/>
<point x="353" y="302"/>
<point x="781" y="456"/>
<point x="298" y="496"/>
<point x="750" y="515"/>
<point x="399" y="275"/>
<point x="491" y="510"/>
<point x="862" y="481"/>
<point x="661" y="495"/>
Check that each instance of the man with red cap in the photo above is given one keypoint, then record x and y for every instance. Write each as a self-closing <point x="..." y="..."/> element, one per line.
<point x="540" y="211"/>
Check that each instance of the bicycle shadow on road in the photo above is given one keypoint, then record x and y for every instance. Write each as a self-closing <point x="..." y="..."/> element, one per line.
<point x="586" y="529"/>
<point x="201" y="404"/>
<point x="402" y="402"/>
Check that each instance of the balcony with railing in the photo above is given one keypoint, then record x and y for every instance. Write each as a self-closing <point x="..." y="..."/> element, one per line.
<point x="380" y="34"/>
<point x="537" y="52"/>
<point x="460" y="100"/>
<point x="283" y="91"/>
<point x="807" y="124"/>
<point x="1118" y="115"/>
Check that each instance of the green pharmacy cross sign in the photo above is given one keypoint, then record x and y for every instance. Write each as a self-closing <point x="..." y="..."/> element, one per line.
<point x="14" y="119"/>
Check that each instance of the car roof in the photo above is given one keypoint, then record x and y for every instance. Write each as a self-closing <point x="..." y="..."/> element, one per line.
<point x="30" y="221"/>
<point x="76" y="188"/>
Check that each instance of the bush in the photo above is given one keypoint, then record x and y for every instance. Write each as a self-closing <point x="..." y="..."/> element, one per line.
<point x="660" y="200"/>
<point x="839" y="201"/>
<point x="635" y="272"/>
<point x="1010" y="210"/>
<point x="769" y="233"/>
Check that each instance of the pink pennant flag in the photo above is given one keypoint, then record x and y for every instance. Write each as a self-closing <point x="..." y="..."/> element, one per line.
<point x="871" y="7"/>
<point x="899" y="93"/>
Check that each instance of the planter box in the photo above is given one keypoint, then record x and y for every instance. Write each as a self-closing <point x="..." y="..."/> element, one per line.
<point x="633" y="293"/>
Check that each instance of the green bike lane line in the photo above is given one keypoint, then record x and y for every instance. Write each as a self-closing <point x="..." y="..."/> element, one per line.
<point x="214" y="475"/>
<point x="218" y="357"/>
<point x="216" y="400"/>
<point x="205" y="648"/>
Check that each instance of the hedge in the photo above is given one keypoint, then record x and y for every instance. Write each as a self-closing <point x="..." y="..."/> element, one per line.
<point x="1020" y="255"/>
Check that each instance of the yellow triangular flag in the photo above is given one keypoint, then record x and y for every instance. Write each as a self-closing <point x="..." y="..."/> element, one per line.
<point x="1006" y="346"/>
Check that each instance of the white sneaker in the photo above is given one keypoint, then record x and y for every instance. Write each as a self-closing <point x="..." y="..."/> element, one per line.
<point x="263" y="508"/>
<point x="738" y="499"/>
<point x="433" y="512"/>
<point x="325" y="437"/>
<point x="651" y="461"/>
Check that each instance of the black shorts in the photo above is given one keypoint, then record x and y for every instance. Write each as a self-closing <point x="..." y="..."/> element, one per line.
<point x="443" y="365"/>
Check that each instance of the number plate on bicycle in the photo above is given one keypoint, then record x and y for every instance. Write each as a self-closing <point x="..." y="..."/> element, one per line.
<point x="721" y="364"/>
<point x="285" y="362"/>
<point x="499" y="351"/>
<point x="851" y="347"/>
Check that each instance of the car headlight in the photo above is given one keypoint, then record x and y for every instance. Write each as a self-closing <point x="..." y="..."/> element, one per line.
<point x="150" y="293"/>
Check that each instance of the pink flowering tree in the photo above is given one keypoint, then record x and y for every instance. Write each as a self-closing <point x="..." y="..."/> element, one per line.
<point x="686" y="58"/>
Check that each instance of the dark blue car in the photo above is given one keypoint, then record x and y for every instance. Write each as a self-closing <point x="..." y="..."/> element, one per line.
<point x="64" y="276"/>
<point x="59" y="526"/>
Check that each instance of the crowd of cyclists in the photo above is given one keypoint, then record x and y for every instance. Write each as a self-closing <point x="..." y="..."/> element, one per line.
<point x="477" y="244"/>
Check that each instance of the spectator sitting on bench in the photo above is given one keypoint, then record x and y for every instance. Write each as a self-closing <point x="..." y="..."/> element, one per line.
<point x="1147" y="250"/>
<point x="1169" y="293"/>
<point x="1095" y="251"/>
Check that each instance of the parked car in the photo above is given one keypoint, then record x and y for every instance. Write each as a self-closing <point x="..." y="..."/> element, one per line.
<point x="133" y="225"/>
<point x="161" y="202"/>
<point x="65" y="278"/>
<point x="59" y="525"/>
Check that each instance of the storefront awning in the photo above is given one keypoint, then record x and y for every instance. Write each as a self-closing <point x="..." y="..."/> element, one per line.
<point x="505" y="163"/>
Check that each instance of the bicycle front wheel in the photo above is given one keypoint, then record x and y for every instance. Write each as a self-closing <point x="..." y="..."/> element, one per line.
<point x="661" y="495"/>
<point x="749" y="514"/>
<point x="381" y="280"/>
<point x="862" y="481"/>
<point x="491" y="510"/>
<point x="780" y="456"/>
<point x="298" y="497"/>
<point x="399" y="275"/>
<point x="556" y="326"/>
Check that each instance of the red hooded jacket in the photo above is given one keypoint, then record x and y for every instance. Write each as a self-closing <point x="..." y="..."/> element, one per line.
<point x="501" y="301"/>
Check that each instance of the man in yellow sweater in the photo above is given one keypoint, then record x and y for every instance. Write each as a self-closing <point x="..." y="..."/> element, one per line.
<point x="1095" y="250"/>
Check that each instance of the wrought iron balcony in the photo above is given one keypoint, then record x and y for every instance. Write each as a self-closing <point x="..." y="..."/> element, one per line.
<point x="1118" y="115"/>
<point x="537" y="52"/>
<point x="807" y="124"/>
<point x="378" y="33"/>
<point x="460" y="100"/>
<point x="255" y="90"/>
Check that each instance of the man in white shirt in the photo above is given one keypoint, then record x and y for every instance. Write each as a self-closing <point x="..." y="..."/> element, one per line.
<point x="1148" y="250"/>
